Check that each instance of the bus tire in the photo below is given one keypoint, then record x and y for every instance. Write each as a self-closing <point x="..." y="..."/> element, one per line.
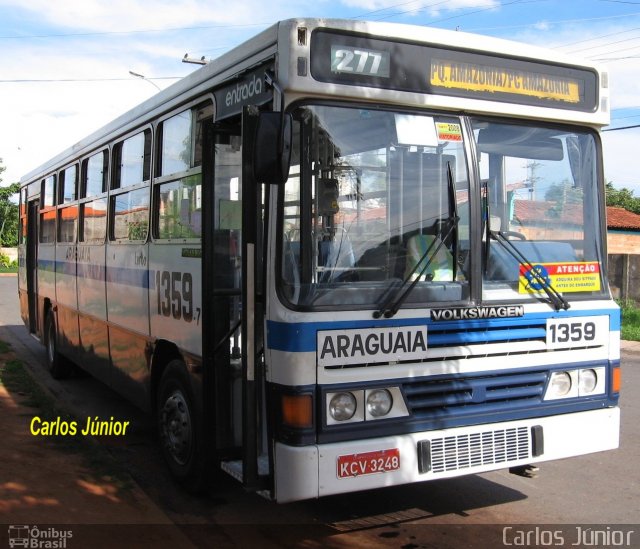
<point x="56" y="364"/>
<point x="179" y="428"/>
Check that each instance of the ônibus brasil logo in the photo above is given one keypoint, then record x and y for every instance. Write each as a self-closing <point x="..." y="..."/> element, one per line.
<point x="38" y="538"/>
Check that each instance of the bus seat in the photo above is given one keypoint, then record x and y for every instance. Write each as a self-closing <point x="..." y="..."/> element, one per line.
<point x="441" y="266"/>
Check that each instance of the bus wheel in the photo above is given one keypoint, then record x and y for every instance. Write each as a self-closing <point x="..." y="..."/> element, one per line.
<point x="178" y="427"/>
<point x="56" y="364"/>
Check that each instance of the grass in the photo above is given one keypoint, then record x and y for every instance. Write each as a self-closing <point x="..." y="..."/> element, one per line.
<point x="17" y="380"/>
<point x="630" y="315"/>
<point x="9" y="269"/>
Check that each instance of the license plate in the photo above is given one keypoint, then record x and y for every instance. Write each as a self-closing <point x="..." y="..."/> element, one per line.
<point x="368" y="463"/>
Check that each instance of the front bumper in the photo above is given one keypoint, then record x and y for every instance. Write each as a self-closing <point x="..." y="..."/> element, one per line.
<point x="312" y="471"/>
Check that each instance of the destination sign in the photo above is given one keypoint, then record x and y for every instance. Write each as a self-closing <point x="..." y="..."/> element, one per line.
<point x="483" y="78"/>
<point x="359" y="61"/>
<point x="364" y="61"/>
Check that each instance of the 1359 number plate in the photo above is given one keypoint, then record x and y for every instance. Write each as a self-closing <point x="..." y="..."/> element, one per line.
<point x="577" y="331"/>
<point x="368" y="463"/>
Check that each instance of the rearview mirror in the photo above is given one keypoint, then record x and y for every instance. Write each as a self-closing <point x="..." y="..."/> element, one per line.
<point x="272" y="148"/>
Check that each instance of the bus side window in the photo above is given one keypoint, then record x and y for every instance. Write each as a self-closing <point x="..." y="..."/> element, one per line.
<point x="67" y="224"/>
<point x="94" y="174"/>
<point x="132" y="160"/>
<point x="68" y="184"/>
<point x="178" y="194"/>
<point x="129" y="211"/>
<point x="130" y="215"/>
<point x="48" y="213"/>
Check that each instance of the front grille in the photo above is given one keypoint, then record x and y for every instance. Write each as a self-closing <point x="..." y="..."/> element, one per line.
<point x="477" y="449"/>
<point x="428" y="399"/>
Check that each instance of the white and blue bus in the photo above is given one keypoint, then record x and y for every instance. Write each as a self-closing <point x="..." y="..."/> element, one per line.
<point x="342" y="256"/>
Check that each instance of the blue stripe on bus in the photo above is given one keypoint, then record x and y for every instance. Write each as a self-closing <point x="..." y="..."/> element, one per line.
<point x="138" y="278"/>
<point x="300" y="337"/>
<point x="93" y="272"/>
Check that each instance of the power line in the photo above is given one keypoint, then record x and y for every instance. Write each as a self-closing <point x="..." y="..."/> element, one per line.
<point x="384" y="9"/>
<point x="623" y="128"/>
<point x="106" y="33"/>
<point x="31" y="80"/>
<point x="618" y="33"/>
<point x="481" y="10"/>
<point x="603" y="45"/>
<point x="614" y="51"/>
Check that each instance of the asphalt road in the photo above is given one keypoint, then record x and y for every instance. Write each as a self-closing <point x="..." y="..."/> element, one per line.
<point x="597" y="491"/>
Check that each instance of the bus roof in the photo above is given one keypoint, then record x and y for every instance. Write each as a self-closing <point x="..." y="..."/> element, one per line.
<point x="265" y="45"/>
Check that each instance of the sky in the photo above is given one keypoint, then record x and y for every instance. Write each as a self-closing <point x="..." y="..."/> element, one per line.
<point x="65" y="65"/>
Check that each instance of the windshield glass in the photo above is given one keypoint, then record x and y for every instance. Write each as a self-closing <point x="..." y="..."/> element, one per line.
<point x="371" y="201"/>
<point x="539" y="192"/>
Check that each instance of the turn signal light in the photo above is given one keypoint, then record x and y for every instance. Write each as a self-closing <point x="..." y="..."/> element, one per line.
<point x="297" y="411"/>
<point x="617" y="380"/>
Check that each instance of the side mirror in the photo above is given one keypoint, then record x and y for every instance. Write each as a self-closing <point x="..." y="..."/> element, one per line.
<point x="272" y="148"/>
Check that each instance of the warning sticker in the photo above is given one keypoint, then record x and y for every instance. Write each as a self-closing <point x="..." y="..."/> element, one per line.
<point x="449" y="132"/>
<point x="581" y="276"/>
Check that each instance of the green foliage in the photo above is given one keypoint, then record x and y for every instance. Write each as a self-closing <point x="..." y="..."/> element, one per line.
<point x="6" y="265"/>
<point x="622" y="198"/>
<point x="8" y="213"/>
<point x="630" y="314"/>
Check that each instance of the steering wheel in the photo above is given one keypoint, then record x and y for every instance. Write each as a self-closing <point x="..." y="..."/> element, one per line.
<point x="514" y="234"/>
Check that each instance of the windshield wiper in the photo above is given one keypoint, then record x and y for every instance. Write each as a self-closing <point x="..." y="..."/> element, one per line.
<point x="556" y="298"/>
<point x="395" y="300"/>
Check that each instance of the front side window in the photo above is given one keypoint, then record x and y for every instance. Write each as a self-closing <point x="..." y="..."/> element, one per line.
<point x="540" y="218"/>
<point x="376" y="200"/>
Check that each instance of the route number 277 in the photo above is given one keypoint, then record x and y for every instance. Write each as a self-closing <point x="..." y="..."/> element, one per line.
<point x="174" y="292"/>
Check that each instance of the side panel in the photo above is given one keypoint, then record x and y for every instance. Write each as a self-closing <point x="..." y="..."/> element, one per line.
<point x="46" y="278"/>
<point x="66" y="298"/>
<point x="92" y="306"/>
<point x="127" y="286"/>
<point x="175" y="294"/>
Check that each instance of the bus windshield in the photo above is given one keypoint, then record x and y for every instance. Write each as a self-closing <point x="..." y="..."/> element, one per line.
<point x="378" y="201"/>
<point x="375" y="198"/>
<point x="541" y="222"/>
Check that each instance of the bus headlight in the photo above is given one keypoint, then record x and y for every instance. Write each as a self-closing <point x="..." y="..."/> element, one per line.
<point x="560" y="384"/>
<point x="379" y="402"/>
<point x="576" y="383"/>
<point x="342" y="406"/>
<point x="588" y="381"/>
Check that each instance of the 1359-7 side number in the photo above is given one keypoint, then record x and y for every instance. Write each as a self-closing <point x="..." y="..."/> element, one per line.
<point x="569" y="332"/>
<point x="174" y="292"/>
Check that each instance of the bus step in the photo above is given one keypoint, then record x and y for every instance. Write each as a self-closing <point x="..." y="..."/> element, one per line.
<point x="234" y="468"/>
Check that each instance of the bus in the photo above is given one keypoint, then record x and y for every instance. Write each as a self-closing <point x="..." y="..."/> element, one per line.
<point x="342" y="256"/>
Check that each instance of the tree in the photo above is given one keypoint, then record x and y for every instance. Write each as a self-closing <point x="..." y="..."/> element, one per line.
<point x="623" y="198"/>
<point x="8" y="213"/>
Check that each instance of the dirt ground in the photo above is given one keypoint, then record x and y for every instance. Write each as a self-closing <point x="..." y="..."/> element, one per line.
<point x="46" y="482"/>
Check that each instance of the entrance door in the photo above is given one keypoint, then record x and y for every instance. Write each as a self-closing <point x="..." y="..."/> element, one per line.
<point x="32" y="263"/>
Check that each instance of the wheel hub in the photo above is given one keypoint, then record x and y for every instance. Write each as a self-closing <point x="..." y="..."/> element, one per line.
<point x="176" y="427"/>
